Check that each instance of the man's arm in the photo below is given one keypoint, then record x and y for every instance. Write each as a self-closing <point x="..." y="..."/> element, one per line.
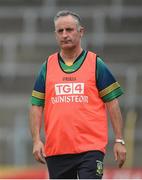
<point x="117" y="124"/>
<point x="35" y="126"/>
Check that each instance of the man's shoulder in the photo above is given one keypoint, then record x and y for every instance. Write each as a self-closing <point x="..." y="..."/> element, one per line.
<point x="48" y="57"/>
<point x="53" y="55"/>
<point x="92" y="52"/>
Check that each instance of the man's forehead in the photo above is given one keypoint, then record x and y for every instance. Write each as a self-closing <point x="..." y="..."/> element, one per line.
<point x="65" y="20"/>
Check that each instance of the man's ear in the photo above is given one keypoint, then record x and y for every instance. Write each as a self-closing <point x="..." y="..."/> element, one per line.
<point x="55" y="34"/>
<point x="81" y="31"/>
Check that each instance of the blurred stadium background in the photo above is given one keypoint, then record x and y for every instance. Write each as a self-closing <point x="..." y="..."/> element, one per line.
<point x="113" y="31"/>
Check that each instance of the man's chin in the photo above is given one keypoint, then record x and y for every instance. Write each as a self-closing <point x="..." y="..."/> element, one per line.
<point x="67" y="46"/>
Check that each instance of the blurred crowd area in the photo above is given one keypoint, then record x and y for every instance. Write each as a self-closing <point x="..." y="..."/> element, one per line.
<point x="113" y="31"/>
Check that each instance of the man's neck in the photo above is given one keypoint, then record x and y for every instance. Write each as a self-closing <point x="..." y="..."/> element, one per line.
<point x="69" y="56"/>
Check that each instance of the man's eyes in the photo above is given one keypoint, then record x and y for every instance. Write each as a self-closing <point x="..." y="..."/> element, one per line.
<point x="68" y="30"/>
<point x="60" y="30"/>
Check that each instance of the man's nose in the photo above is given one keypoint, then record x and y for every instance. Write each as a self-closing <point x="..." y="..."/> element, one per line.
<point x="64" y="33"/>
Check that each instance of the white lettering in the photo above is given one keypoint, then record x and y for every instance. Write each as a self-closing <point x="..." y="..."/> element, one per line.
<point x="69" y="88"/>
<point x="69" y="99"/>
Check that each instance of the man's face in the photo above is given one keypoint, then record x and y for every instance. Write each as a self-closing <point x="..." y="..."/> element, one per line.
<point x="68" y="34"/>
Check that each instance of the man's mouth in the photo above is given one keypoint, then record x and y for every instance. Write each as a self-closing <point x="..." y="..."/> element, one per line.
<point x="66" y="41"/>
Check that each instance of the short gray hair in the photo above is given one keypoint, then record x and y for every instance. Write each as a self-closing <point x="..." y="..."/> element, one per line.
<point x="67" y="13"/>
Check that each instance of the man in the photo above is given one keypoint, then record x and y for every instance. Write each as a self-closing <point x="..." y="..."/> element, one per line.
<point x="74" y="87"/>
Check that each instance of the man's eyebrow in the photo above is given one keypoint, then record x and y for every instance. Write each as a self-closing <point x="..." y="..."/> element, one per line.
<point x="61" y="29"/>
<point x="69" y="28"/>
